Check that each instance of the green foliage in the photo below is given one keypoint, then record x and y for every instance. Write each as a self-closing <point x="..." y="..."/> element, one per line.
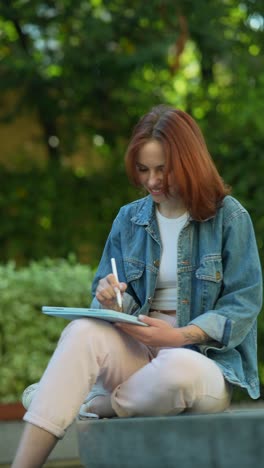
<point x="94" y="66"/>
<point x="91" y="68"/>
<point x="28" y="337"/>
<point x="46" y="214"/>
<point x="78" y="65"/>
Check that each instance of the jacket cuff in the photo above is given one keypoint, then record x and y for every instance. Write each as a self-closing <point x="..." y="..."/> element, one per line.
<point x="216" y="326"/>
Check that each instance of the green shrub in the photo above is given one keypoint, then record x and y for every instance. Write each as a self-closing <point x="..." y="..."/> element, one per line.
<point x="28" y="337"/>
<point x="49" y="215"/>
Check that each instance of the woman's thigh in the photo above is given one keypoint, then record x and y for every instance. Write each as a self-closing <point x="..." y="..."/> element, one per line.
<point x="87" y="350"/>
<point x="90" y="348"/>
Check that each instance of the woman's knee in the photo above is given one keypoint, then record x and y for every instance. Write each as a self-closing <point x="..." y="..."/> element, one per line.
<point x="178" y="368"/>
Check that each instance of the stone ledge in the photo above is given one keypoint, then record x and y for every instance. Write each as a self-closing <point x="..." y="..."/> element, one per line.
<point x="224" y="440"/>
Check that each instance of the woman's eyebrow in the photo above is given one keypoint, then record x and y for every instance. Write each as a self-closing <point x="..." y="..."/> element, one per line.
<point x="143" y="165"/>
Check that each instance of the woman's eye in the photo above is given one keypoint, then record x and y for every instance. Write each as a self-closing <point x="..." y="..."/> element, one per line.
<point x="142" y="169"/>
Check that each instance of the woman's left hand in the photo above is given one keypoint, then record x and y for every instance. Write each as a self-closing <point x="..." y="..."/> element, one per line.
<point x="159" y="333"/>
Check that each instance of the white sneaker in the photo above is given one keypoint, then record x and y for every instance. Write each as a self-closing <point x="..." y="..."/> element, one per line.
<point x="30" y="391"/>
<point x="102" y="407"/>
<point x="84" y="412"/>
<point x="28" y="395"/>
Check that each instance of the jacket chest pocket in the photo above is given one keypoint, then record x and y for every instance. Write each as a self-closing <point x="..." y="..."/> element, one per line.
<point x="209" y="277"/>
<point x="134" y="270"/>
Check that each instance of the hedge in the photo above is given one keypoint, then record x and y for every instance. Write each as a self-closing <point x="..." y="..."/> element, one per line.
<point x="28" y="337"/>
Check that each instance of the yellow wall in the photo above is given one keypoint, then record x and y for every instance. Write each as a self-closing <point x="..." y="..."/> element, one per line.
<point x="22" y="144"/>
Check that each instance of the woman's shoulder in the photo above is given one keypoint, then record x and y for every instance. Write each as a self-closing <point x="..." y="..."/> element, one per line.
<point x="231" y="206"/>
<point x="231" y="210"/>
<point x="135" y="207"/>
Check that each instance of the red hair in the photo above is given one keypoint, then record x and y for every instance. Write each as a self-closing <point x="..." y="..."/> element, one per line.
<point x="187" y="159"/>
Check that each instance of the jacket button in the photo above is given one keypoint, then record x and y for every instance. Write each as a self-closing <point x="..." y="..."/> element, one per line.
<point x="185" y="301"/>
<point x="156" y="263"/>
<point x="218" y="275"/>
<point x="150" y="300"/>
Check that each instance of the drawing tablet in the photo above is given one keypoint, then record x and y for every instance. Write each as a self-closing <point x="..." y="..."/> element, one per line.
<point x="72" y="313"/>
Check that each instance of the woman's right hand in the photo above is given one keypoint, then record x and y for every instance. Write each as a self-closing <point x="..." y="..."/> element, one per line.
<point x="106" y="292"/>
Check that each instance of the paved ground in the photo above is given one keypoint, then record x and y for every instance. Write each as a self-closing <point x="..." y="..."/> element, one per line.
<point x="65" y="454"/>
<point x="54" y="464"/>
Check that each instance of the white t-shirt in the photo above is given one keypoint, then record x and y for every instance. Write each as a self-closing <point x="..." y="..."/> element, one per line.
<point x="165" y="297"/>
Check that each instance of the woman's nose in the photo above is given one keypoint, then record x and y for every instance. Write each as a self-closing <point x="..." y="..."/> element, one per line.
<point x="154" y="179"/>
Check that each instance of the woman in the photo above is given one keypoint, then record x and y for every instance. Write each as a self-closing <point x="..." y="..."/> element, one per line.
<point x="188" y="266"/>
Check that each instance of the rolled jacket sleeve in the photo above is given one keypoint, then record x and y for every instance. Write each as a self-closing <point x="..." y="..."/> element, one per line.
<point x="240" y="301"/>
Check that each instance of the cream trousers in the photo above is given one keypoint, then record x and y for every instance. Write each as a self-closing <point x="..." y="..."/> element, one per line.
<point x="141" y="381"/>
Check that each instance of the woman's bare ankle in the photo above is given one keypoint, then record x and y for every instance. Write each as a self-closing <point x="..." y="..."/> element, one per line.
<point x="34" y="447"/>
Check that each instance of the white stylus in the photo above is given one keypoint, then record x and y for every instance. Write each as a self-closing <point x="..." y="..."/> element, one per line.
<point x="118" y="292"/>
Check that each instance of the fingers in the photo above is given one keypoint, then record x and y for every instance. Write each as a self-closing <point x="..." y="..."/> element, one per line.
<point x="141" y="334"/>
<point x="106" y="290"/>
<point x="154" y="322"/>
<point x="157" y="334"/>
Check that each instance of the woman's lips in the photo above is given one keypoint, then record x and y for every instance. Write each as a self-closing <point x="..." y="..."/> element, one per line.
<point x="156" y="192"/>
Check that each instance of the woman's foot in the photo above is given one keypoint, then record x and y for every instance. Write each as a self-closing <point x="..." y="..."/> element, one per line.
<point x="99" y="405"/>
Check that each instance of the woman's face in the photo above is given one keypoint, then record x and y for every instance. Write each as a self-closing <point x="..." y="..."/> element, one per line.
<point x="150" y="166"/>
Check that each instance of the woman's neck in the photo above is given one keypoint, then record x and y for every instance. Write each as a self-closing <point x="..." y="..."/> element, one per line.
<point x="172" y="210"/>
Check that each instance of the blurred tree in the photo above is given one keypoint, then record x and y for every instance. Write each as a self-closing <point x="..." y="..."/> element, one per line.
<point x="73" y="62"/>
<point x="94" y="66"/>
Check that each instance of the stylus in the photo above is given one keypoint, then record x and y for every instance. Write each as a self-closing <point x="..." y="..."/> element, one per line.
<point x="118" y="292"/>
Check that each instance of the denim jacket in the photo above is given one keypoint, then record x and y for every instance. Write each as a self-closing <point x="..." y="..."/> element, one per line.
<point x="219" y="282"/>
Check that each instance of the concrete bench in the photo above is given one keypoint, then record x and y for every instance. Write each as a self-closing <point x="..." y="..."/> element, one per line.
<point x="233" y="439"/>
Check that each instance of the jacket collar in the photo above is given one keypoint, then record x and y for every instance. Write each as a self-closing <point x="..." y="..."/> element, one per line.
<point x="146" y="212"/>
